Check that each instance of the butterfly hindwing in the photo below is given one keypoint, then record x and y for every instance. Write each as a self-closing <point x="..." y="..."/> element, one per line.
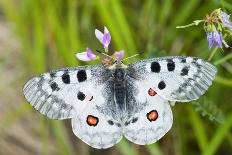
<point x="151" y="118"/>
<point x="97" y="128"/>
<point x="174" y="78"/>
<point x="99" y="124"/>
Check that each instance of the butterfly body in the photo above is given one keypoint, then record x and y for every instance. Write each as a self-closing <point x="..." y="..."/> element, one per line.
<point x="108" y="102"/>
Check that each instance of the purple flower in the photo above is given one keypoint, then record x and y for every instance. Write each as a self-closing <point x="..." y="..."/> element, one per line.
<point x="225" y="19"/>
<point x="103" y="38"/>
<point x="86" y="56"/>
<point x="119" y="55"/>
<point x="215" y="38"/>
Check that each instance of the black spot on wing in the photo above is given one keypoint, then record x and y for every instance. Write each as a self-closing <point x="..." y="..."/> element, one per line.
<point x="118" y="124"/>
<point x="81" y="75"/>
<point x="196" y="63"/>
<point x="184" y="71"/>
<point x="66" y="78"/>
<point x="170" y="65"/>
<point x="195" y="59"/>
<point x="54" y="86"/>
<point x="80" y="96"/>
<point x="134" y="120"/>
<point x="161" y="85"/>
<point x="155" y="67"/>
<point x="183" y="60"/>
<point x="127" y="123"/>
<point x="52" y="75"/>
<point x="110" y="122"/>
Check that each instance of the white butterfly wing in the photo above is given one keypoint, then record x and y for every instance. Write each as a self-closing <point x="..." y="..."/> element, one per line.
<point x="149" y="118"/>
<point x="174" y="78"/>
<point x="97" y="128"/>
<point x="83" y="94"/>
<point x="55" y="94"/>
<point x="99" y="125"/>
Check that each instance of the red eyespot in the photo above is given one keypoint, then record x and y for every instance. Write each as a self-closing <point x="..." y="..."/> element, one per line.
<point x="152" y="115"/>
<point x="92" y="120"/>
<point x="151" y="92"/>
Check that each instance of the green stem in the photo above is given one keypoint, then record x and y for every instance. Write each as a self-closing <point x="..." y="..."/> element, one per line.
<point x="212" y="53"/>
<point x="218" y="62"/>
<point x="185" y="26"/>
<point x="195" y="23"/>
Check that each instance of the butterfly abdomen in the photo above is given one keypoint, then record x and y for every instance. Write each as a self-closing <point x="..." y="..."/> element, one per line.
<point x="120" y="94"/>
<point x="120" y="88"/>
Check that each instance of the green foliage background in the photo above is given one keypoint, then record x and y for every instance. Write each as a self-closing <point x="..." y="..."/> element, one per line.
<point x="52" y="31"/>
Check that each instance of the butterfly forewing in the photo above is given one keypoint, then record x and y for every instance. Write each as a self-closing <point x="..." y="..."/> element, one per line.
<point x="174" y="78"/>
<point x="62" y="93"/>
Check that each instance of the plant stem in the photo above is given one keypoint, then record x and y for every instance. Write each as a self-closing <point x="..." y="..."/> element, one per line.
<point x="212" y="53"/>
<point x="227" y="57"/>
<point x="195" y="23"/>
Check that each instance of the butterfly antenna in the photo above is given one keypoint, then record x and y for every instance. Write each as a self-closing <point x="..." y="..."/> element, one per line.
<point x="133" y="56"/>
<point x="104" y="54"/>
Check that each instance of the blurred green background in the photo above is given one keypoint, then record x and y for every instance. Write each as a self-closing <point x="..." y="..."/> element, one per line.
<point x="37" y="36"/>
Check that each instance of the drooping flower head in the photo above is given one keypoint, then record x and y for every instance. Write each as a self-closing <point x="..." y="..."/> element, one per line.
<point x="216" y="24"/>
<point x="214" y="37"/>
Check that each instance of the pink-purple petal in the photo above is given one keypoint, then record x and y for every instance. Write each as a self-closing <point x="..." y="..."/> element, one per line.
<point x="82" y="56"/>
<point x="86" y="56"/>
<point x="214" y="38"/>
<point x="90" y="54"/>
<point x="99" y="35"/>
<point x="229" y="25"/>
<point x="106" y="40"/>
<point x="226" y="19"/>
<point x="103" y="38"/>
<point x="106" y="30"/>
<point x="119" y="55"/>
<point x="217" y="38"/>
<point x="210" y="39"/>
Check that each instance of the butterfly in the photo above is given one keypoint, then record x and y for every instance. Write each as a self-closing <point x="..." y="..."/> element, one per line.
<point x="106" y="103"/>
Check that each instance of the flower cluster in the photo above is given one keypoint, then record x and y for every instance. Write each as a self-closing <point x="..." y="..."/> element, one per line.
<point x="104" y="39"/>
<point x="216" y="24"/>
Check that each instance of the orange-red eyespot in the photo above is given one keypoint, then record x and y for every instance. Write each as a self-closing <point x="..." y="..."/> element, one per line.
<point x="152" y="115"/>
<point x="92" y="120"/>
<point x="151" y="92"/>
